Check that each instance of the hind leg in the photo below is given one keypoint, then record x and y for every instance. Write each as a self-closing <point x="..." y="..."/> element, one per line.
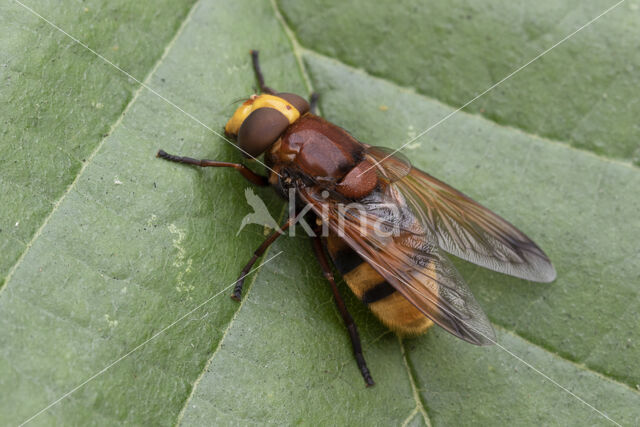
<point x="342" y="308"/>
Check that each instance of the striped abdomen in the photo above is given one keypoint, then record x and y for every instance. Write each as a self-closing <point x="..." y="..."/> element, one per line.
<point x="394" y="310"/>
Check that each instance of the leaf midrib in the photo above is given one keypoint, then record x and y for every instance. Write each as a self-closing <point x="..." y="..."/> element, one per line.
<point x="417" y="91"/>
<point x="413" y="91"/>
<point x="420" y="405"/>
<point x="297" y="50"/>
<point x="247" y="291"/>
<point x="584" y="367"/>
<point x="98" y="147"/>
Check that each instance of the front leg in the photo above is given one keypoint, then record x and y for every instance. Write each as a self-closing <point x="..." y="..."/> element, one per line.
<point x="237" y="290"/>
<point x="342" y="308"/>
<point x="250" y="175"/>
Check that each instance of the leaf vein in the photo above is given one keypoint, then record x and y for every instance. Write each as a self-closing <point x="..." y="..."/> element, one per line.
<point x="413" y="91"/>
<point x="416" y="393"/>
<point x="95" y="151"/>
<point x="580" y="366"/>
<point x="295" y="45"/>
<point x="248" y="287"/>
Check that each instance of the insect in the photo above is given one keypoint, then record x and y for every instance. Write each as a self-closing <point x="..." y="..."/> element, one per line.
<point x="386" y="224"/>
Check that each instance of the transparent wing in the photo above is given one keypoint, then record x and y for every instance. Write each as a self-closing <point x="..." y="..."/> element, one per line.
<point x="461" y="226"/>
<point x="407" y="260"/>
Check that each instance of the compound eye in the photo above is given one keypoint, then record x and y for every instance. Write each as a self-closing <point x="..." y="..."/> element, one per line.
<point x="260" y="130"/>
<point x="297" y="101"/>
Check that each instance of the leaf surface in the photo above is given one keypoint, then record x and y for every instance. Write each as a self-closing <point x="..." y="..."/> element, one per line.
<point x="129" y="244"/>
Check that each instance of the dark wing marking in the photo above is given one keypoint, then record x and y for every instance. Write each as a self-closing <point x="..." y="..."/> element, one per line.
<point x="461" y="226"/>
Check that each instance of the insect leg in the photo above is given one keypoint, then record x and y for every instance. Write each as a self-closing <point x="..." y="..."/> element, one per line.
<point x="237" y="290"/>
<point x="250" y="175"/>
<point x="259" y="76"/>
<point x="342" y="308"/>
<point x="313" y="103"/>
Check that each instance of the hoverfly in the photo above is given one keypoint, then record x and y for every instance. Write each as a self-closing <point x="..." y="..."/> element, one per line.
<point x="390" y="249"/>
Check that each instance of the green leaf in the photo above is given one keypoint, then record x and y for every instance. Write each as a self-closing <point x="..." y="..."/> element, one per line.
<point x="578" y="93"/>
<point x="59" y="101"/>
<point x="118" y="245"/>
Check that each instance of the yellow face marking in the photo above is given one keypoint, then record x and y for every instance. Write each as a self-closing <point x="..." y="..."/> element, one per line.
<point x="260" y="101"/>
